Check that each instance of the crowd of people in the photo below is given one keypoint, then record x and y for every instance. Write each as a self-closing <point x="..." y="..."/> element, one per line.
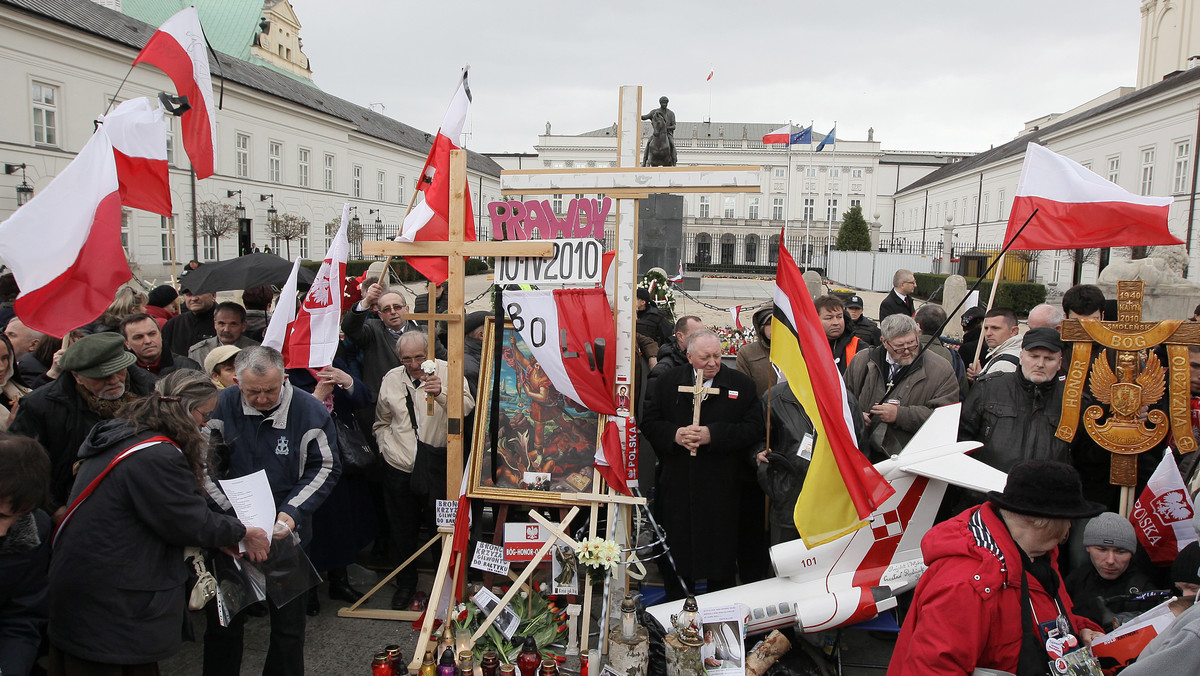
<point x="174" y="385"/>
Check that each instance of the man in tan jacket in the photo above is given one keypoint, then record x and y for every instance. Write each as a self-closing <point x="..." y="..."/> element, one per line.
<point x="402" y="423"/>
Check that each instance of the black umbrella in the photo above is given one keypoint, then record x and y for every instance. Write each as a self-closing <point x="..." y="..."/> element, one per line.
<point x="243" y="272"/>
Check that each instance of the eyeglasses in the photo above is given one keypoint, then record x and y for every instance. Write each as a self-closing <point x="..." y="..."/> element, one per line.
<point x="910" y="347"/>
<point x="393" y="308"/>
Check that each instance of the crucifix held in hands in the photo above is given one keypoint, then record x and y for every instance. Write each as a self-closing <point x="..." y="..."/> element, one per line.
<point x="698" y="392"/>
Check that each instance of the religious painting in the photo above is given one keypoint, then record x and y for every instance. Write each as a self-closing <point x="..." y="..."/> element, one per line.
<point x="546" y="441"/>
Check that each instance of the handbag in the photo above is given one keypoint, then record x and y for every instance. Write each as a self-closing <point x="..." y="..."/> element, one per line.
<point x="358" y="457"/>
<point x="205" y="588"/>
<point x="428" y="476"/>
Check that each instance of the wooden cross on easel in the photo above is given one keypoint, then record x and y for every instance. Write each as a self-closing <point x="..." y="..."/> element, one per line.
<point x="1131" y="386"/>
<point x="699" y="392"/>
<point x="456" y="250"/>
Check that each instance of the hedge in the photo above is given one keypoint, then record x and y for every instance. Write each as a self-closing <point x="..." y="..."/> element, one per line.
<point x="1020" y="297"/>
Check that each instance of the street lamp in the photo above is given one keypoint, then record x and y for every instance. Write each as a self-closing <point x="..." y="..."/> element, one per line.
<point x="354" y="222"/>
<point x="24" y="190"/>
<point x="239" y="211"/>
<point x="378" y="223"/>
<point x="271" y="212"/>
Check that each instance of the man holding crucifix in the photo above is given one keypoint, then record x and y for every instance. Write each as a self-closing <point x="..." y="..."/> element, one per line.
<point x="704" y="422"/>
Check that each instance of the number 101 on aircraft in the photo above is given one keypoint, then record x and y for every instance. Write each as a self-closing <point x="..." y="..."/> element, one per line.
<point x="575" y="262"/>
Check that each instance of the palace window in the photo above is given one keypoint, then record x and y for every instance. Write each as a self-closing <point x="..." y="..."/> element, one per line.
<point x="777" y="209"/>
<point x="45" y="114"/>
<point x="357" y="180"/>
<point x="1183" y="157"/>
<point x="241" y="156"/>
<point x="275" y="161"/>
<point x="1147" y="182"/>
<point x="704" y="206"/>
<point x="329" y="164"/>
<point x="752" y="209"/>
<point x="302" y="155"/>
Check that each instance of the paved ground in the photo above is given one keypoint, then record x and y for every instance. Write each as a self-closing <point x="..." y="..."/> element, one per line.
<point x="345" y="646"/>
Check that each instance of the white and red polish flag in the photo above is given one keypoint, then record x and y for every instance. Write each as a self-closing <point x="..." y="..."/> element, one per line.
<point x="138" y="133"/>
<point x="429" y="221"/>
<point x="736" y="312"/>
<point x="285" y="311"/>
<point x="313" y="338"/>
<point x="570" y="334"/>
<point x="64" y="245"/>
<point x="1078" y="208"/>
<point x="1162" y="515"/>
<point x="178" y="49"/>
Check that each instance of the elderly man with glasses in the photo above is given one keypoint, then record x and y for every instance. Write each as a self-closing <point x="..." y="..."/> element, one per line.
<point x="898" y="386"/>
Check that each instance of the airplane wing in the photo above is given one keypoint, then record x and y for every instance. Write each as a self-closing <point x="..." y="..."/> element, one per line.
<point x="960" y="470"/>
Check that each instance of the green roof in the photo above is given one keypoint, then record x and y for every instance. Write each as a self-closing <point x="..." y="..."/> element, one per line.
<point x="229" y="25"/>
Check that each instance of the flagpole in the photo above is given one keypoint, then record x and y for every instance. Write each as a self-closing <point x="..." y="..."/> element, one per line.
<point x="808" y="220"/>
<point x="787" y="195"/>
<point x="829" y="231"/>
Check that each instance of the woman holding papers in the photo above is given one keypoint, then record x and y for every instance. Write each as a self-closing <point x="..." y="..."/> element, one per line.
<point x="117" y="599"/>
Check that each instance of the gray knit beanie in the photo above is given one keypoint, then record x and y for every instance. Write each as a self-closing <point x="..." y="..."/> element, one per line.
<point x="1110" y="530"/>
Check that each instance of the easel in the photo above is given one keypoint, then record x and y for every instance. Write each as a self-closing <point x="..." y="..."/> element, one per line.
<point x="1124" y="436"/>
<point x="456" y="250"/>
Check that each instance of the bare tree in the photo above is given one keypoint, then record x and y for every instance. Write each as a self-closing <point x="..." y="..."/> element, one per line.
<point x="288" y="227"/>
<point x="216" y="220"/>
<point x="354" y="233"/>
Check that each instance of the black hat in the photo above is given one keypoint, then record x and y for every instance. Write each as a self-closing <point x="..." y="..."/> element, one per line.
<point x="1043" y="336"/>
<point x="643" y="294"/>
<point x="1045" y="488"/>
<point x="1184" y="569"/>
<point x="475" y="320"/>
<point x="972" y="314"/>
<point x="162" y="296"/>
<point x="854" y="301"/>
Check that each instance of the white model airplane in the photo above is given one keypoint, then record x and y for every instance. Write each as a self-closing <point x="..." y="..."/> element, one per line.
<point x="855" y="577"/>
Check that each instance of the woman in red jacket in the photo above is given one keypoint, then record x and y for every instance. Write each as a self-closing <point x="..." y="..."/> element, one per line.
<point x="993" y="596"/>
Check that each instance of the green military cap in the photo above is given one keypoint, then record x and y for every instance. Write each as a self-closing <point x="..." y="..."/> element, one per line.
<point x="97" y="356"/>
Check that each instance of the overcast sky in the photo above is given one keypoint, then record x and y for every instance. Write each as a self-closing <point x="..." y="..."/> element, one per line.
<point x="926" y="74"/>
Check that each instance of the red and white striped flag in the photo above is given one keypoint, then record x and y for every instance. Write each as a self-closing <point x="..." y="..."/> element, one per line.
<point x="678" y="275"/>
<point x="64" y="246"/>
<point x="1162" y="515"/>
<point x="313" y="338"/>
<point x="138" y="134"/>
<point x="736" y="313"/>
<point x="710" y="74"/>
<point x="178" y="49"/>
<point x="285" y="311"/>
<point x="429" y="221"/>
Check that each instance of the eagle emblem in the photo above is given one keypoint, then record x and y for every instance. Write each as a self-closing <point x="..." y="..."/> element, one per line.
<point x="1126" y="392"/>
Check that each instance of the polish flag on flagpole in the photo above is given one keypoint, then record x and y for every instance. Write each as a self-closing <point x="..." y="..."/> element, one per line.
<point x="736" y="312"/>
<point x="429" y="221"/>
<point x="178" y="49"/>
<point x="138" y="133"/>
<point x="1079" y="209"/>
<point x="1162" y="515"/>
<point x="313" y="339"/>
<point x="678" y="275"/>
<point x="285" y="311"/>
<point x="710" y="74"/>
<point x="780" y="135"/>
<point x="64" y="245"/>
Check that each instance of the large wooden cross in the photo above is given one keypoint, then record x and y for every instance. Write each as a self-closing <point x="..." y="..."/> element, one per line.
<point x="456" y="250"/>
<point x="1131" y="386"/>
<point x="698" y="392"/>
<point x="627" y="183"/>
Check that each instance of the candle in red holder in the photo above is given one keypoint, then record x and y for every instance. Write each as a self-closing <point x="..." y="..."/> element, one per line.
<point x="382" y="665"/>
<point x="529" y="659"/>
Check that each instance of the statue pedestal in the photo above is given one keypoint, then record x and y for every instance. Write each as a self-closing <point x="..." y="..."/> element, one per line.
<point x="682" y="660"/>
<point x="1170" y="295"/>
<point x="629" y="658"/>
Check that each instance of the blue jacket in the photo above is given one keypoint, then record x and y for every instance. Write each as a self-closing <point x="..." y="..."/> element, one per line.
<point x="296" y="444"/>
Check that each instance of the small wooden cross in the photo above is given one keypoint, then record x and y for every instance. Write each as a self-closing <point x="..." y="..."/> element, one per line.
<point x="698" y="392"/>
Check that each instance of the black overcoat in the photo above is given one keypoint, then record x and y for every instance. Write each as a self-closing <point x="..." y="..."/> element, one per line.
<point x="698" y="497"/>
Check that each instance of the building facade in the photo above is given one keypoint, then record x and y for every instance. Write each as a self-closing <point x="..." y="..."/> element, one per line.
<point x="281" y="143"/>
<point x="806" y="191"/>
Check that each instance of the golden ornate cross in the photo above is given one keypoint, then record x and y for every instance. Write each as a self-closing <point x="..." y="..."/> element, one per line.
<point x="1136" y="383"/>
